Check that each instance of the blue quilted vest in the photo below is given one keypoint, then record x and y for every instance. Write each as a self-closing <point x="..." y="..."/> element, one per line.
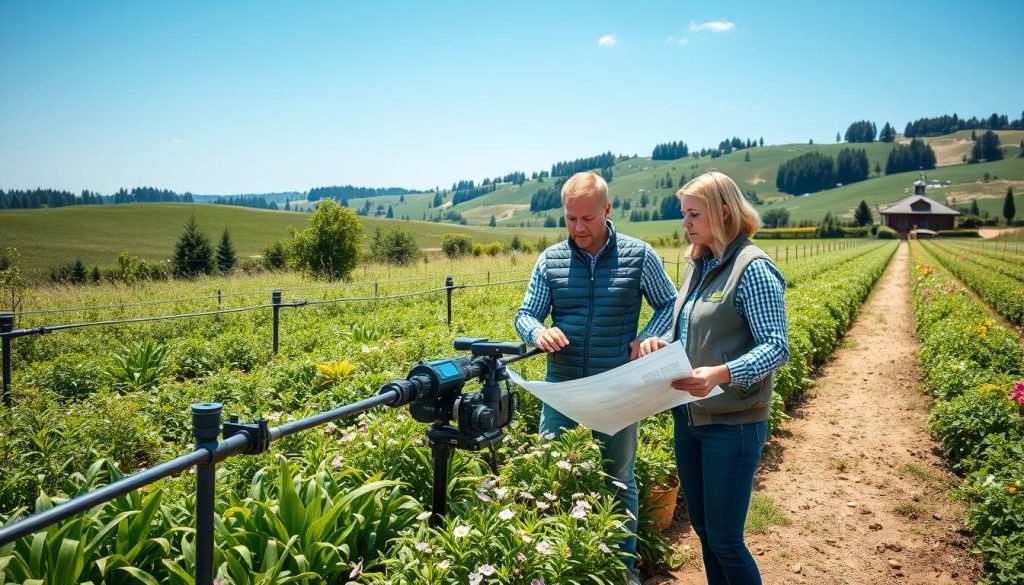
<point x="598" y="312"/>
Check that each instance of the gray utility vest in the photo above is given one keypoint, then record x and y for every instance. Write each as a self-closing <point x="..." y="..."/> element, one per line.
<point x="718" y="334"/>
<point x="597" y="312"/>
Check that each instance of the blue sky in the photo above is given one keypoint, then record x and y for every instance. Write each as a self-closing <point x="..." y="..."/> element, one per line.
<point x="246" y="97"/>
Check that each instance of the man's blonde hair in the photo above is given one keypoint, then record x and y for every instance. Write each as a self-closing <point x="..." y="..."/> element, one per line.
<point x="585" y="184"/>
<point x="717" y="189"/>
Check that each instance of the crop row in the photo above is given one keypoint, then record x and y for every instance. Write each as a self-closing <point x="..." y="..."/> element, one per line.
<point x="1005" y="294"/>
<point x="974" y="369"/>
<point x="1001" y="263"/>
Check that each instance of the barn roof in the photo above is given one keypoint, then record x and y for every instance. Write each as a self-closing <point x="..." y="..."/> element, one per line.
<point x="919" y="205"/>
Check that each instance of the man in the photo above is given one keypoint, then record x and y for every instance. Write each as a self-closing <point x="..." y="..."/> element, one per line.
<point x="593" y="285"/>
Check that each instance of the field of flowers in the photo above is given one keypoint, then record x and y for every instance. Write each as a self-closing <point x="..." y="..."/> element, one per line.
<point x="998" y="277"/>
<point x="974" y="369"/>
<point x="347" y="501"/>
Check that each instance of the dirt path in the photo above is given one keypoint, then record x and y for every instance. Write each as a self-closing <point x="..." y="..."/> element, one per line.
<point x="855" y="470"/>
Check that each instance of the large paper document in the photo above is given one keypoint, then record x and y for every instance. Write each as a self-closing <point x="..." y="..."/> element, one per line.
<point x="611" y="401"/>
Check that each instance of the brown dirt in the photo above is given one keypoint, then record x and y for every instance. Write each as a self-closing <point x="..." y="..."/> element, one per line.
<point x="856" y="472"/>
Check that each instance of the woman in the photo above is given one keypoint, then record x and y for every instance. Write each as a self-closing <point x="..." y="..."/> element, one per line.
<point x="731" y="319"/>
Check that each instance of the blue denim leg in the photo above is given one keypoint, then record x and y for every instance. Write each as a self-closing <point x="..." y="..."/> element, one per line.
<point x="620" y="451"/>
<point x="716" y="468"/>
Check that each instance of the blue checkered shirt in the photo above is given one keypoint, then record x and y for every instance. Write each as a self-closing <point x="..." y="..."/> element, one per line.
<point x="654" y="284"/>
<point x="760" y="300"/>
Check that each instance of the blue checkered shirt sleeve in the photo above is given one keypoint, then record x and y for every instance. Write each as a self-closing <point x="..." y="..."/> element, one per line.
<point x="760" y="298"/>
<point x="536" y="304"/>
<point x="660" y="293"/>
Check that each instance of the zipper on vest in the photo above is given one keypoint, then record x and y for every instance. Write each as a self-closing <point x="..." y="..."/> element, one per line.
<point x="590" y="322"/>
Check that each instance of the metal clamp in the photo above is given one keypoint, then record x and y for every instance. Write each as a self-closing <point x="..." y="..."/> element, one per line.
<point x="258" y="433"/>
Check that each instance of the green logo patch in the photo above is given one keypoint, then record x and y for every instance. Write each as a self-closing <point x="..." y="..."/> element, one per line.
<point x="716" y="297"/>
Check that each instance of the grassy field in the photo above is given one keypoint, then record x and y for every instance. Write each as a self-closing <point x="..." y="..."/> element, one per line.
<point x="96" y="234"/>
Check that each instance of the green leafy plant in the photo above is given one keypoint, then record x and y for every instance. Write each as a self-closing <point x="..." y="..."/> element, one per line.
<point x="139" y="367"/>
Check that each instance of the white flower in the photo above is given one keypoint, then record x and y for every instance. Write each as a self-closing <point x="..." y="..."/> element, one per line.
<point x="620" y="485"/>
<point x="578" y="513"/>
<point x="423" y="516"/>
<point x="369" y="445"/>
<point x="543" y="505"/>
<point x="578" y="495"/>
<point x="564" y="465"/>
<point x="587" y="465"/>
<point x="423" y="547"/>
<point x="475" y="578"/>
<point x="526" y="496"/>
<point x="544" y="547"/>
<point x="336" y="462"/>
<point x="501" y="492"/>
<point x="524" y="535"/>
<point x="506" y="514"/>
<point x="549" y="436"/>
<point x="483" y="497"/>
<point x="460" y="531"/>
<point x="550" y="496"/>
<point x="444" y="564"/>
<point x="556" y="454"/>
<point x="486" y="570"/>
<point x="604" y="548"/>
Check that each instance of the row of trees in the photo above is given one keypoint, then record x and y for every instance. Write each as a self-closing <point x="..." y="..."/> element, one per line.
<point x="815" y="171"/>
<point x="670" y="151"/>
<point x="353" y="192"/>
<point x="37" y="198"/>
<point x="940" y="125"/>
<point x="986" y="147"/>
<point x="910" y="157"/>
<point x="254" y="201"/>
<point x="567" y="168"/>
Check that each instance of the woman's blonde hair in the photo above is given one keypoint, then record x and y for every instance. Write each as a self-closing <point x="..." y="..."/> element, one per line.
<point x="717" y="189"/>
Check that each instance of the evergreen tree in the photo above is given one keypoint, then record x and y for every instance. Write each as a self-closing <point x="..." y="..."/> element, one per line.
<point x="1009" y="208"/>
<point x="437" y="199"/>
<point x="888" y="133"/>
<point x="493" y="222"/>
<point x="78" y="272"/>
<point x="863" y="214"/>
<point x="390" y="213"/>
<point x="974" y="208"/>
<point x="989" y="146"/>
<point x="746" y="157"/>
<point x="226" y="258"/>
<point x="287" y="205"/>
<point x="838" y="139"/>
<point x="193" y="254"/>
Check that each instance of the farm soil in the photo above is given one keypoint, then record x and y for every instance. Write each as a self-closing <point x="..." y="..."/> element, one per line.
<point x="862" y="483"/>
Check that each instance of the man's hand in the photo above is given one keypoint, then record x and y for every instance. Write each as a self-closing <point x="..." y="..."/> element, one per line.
<point x="703" y="380"/>
<point x="551" y="339"/>
<point x="646" y="346"/>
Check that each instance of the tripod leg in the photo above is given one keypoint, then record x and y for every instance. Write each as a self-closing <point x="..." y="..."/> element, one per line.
<point x="442" y="453"/>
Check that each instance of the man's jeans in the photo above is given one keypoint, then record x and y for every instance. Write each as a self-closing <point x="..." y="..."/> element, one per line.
<point x="620" y="450"/>
<point x="716" y="468"/>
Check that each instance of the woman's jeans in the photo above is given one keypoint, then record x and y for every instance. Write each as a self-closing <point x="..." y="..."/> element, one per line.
<point x="716" y="469"/>
<point x="620" y="450"/>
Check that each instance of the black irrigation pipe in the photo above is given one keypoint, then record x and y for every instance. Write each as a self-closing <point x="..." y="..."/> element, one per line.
<point x="238" y="438"/>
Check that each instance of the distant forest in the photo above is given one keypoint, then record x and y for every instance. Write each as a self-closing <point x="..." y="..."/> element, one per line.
<point x="352" y="192"/>
<point x="948" y="124"/>
<point x="53" y="198"/>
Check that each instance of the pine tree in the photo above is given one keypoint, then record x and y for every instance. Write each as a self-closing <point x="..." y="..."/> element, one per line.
<point x="287" y="205"/>
<point x="193" y="254"/>
<point x="493" y="222"/>
<point x="226" y="259"/>
<point x="863" y="214"/>
<point x="78" y="272"/>
<point x="838" y="137"/>
<point x="391" y="213"/>
<point x="1009" y="208"/>
<point x="974" y="208"/>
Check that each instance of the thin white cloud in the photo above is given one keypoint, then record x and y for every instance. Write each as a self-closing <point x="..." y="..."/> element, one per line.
<point x="676" y="41"/>
<point x="606" y="41"/>
<point x="713" y="26"/>
<point x="682" y="41"/>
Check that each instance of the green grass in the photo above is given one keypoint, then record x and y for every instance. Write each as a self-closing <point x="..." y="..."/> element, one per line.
<point x="46" y="238"/>
<point x="763" y="514"/>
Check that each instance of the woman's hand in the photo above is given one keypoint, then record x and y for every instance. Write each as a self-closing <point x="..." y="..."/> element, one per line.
<point x="703" y="380"/>
<point x="649" y="345"/>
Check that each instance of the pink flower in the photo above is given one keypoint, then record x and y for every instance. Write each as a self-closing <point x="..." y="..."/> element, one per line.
<point x="1017" y="394"/>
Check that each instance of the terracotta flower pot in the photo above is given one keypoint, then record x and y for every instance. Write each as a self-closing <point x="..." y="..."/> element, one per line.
<point x="663" y="502"/>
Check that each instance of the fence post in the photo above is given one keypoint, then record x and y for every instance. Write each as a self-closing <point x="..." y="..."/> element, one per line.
<point x="205" y="429"/>
<point x="275" y="300"/>
<point x="6" y="326"/>
<point x="449" y="284"/>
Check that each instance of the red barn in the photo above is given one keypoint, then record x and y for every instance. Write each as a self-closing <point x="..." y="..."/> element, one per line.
<point x="918" y="212"/>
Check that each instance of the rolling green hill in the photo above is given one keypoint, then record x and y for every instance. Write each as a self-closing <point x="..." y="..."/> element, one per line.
<point x="46" y="238"/>
<point x="633" y="177"/>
